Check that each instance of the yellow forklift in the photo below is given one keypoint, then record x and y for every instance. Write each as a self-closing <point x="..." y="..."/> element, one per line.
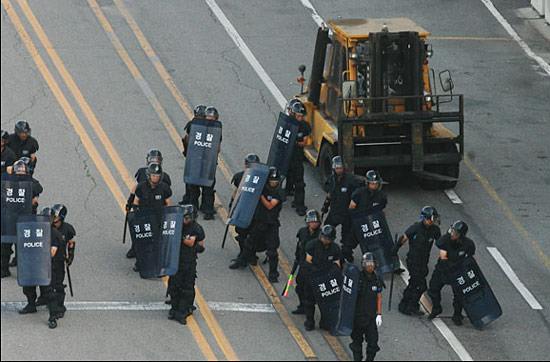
<point x="372" y="99"/>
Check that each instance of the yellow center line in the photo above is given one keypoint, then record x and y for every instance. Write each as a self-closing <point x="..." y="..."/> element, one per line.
<point x="209" y="318"/>
<point x="88" y="144"/>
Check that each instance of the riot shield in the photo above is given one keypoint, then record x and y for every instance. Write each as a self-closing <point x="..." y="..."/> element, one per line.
<point x="326" y="285"/>
<point x="202" y="152"/>
<point x="373" y="234"/>
<point x="283" y="143"/>
<point x="479" y="301"/>
<point x="170" y="240"/>
<point x="144" y="231"/>
<point x="248" y="195"/>
<point x="34" y="260"/>
<point x="348" y="298"/>
<point x="16" y="202"/>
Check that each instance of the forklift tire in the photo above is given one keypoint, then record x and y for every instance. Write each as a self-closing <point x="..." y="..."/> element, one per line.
<point x="324" y="164"/>
<point x="447" y="170"/>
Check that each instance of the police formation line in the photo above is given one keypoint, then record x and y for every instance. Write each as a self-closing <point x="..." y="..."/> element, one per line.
<point x="166" y="239"/>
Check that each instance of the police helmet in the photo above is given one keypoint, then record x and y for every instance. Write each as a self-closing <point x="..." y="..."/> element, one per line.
<point x="48" y="212"/>
<point x="22" y="127"/>
<point x="251" y="158"/>
<point x="374" y="177"/>
<point x="460" y="227"/>
<point x="60" y="210"/>
<point x="298" y="108"/>
<point x="328" y="231"/>
<point x="291" y="104"/>
<point x="28" y="163"/>
<point x="274" y="175"/>
<point x="312" y="216"/>
<point x="154" y="169"/>
<point x="189" y="212"/>
<point x="337" y="162"/>
<point x="368" y="259"/>
<point x="198" y="112"/>
<point x="211" y="112"/>
<point x="5" y="137"/>
<point x="154" y="155"/>
<point x="19" y="167"/>
<point x="430" y="213"/>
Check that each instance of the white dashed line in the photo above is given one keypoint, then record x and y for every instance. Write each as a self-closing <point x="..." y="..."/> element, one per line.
<point x="525" y="293"/>
<point x="453" y="196"/>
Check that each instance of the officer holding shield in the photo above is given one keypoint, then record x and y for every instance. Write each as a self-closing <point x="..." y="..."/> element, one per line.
<point x="266" y="227"/>
<point x="341" y="186"/>
<point x="295" y="184"/>
<point x="242" y="233"/>
<point x="8" y="156"/>
<point x="421" y="236"/>
<point x="320" y="253"/>
<point x="22" y="143"/>
<point x="153" y="156"/>
<point x="305" y="235"/>
<point x="51" y="292"/>
<point x="369" y="197"/>
<point x="454" y="248"/>
<point x="368" y="311"/>
<point x="198" y="113"/>
<point x="181" y="286"/>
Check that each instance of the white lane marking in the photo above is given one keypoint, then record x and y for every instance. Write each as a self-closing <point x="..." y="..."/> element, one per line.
<point x="525" y="293"/>
<point x="453" y="196"/>
<point x="442" y="327"/>
<point x="148" y="306"/>
<point x="316" y="17"/>
<point x="239" y="42"/>
<point x="543" y="64"/>
<point x="439" y="324"/>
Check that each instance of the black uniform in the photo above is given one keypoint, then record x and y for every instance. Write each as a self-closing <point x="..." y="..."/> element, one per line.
<point x="68" y="232"/>
<point x="323" y="256"/>
<point x="181" y="286"/>
<point x="295" y="174"/>
<point x="24" y="148"/>
<point x="340" y="190"/>
<point x="153" y="198"/>
<point x="8" y="158"/>
<point x="366" y="200"/>
<point x="364" y="325"/>
<point x="51" y="293"/>
<point x="264" y="235"/>
<point x="304" y="238"/>
<point x="456" y="252"/>
<point x="6" y="248"/>
<point x="141" y="176"/>
<point x="421" y="238"/>
<point x="194" y="191"/>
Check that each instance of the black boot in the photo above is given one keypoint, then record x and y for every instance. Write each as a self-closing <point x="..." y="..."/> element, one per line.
<point x="131" y="253"/>
<point x="457" y="319"/>
<point x="29" y="308"/>
<point x="370" y="356"/>
<point x="357" y="356"/>
<point x="52" y="323"/>
<point x="309" y="325"/>
<point x="299" y="310"/>
<point x="436" y="310"/>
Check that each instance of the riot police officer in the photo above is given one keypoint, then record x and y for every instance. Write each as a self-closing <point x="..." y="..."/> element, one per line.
<point x="22" y="143"/>
<point x="454" y="247"/>
<point x="320" y="253"/>
<point x="421" y="236"/>
<point x="8" y="156"/>
<point x="305" y="235"/>
<point x="50" y="292"/>
<point x="295" y="184"/>
<point x="341" y="186"/>
<point x="242" y="233"/>
<point x="20" y="168"/>
<point x="181" y="286"/>
<point x="266" y="227"/>
<point x="368" y="311"/>
<point x="367" y="198"/>
<point x="198" y="112"/>
<point x="153" y="156"/>
<point x="207" y="205"/>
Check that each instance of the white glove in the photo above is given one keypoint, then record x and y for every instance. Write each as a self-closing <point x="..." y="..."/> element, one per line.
<point x="378" y="321"/>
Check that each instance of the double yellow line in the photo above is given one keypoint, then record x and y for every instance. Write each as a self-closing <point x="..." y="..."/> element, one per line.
<point x="97" y="159"/>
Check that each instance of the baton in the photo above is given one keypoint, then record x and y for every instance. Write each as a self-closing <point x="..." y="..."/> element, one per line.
<point x="69" y="279"/>
<point x="392" y="277"/>
<point x="227" y="226"/>
<point x="290" y="277"/>
<point x="125" y="224"/>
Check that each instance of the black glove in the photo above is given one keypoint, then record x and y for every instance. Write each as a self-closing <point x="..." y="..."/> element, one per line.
<point x="326" y="205"/>
<point x="69" y="257"/>
<point x="200" y="249"/>
<point x="130" y="202"/>
<point x="396" y="248"/>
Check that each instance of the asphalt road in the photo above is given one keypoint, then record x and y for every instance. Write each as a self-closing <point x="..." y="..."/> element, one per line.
<point x="118" y="93"/>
